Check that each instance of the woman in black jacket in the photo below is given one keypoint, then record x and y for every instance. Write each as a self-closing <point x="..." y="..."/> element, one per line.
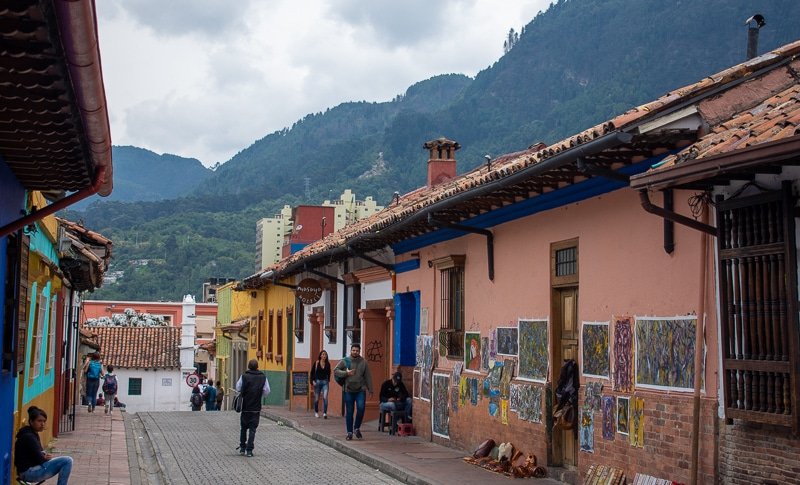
<point x="33" y="464"/>
<point x="321" y="377"/>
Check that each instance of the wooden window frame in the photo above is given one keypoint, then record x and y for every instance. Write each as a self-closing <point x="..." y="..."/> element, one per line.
<point x="452" y="281"/>
<point x="566" y="280"/>
<point x="279" y="338"/>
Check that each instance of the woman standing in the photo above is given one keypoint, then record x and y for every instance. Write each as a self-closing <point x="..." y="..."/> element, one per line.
<point x="321" y="377"/>
<point x="93" y="369"/>
<point x="32" y="463"/>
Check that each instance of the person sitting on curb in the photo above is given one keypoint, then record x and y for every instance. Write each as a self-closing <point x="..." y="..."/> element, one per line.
<point x="32" y="462"/>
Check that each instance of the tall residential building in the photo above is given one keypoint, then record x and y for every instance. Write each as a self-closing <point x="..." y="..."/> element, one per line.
<point x="270" y="233"/>
<point x="348" y="210"/>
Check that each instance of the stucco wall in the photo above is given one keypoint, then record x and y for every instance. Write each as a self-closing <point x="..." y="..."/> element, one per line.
<point x="156" y="396"/>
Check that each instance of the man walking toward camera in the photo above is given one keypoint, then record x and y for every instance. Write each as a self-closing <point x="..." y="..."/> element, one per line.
<point x="358" y="381"/>
<point x="253" y="386"/>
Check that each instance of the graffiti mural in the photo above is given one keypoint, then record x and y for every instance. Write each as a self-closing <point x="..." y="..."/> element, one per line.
<point x="609" y="410"/>
<point x="507" y="341"/>
<point x="623" y="354"/>
<point x="472" y="351"/>
<point x="375" y="351"/>
<point x="533" y="350"/>
<point x="623" y="411"/>
<point x="594" y="349"/>
<point x="440" y="413"/>
<point x="637" y="422"/>
<point x="665" y="352"/>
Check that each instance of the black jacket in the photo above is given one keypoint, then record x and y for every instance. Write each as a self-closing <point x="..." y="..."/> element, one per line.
<point x="28" y="451"/>
<point x="389" y="390"/>
<point x="252" y="390"/>
<point x="320" y="373"/>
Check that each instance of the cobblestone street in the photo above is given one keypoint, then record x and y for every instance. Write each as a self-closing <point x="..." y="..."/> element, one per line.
<point x="200" y="448"/>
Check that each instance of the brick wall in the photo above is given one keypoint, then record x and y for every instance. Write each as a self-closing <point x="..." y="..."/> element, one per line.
<point x="751" y="453"/>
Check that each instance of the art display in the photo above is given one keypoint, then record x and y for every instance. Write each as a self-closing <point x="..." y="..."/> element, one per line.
<point x="507" y="340"/>
<point x="494" y="405"/>
<point x="592" y="397"/>
<point x="623" y="411"/>
<point x="513" y="397"/>
<point x="493" y="344"/>
<point x="425" y="385"/>
<point x="530" y="403"/>
<point x="472" y="351"/>
<point x="457" y="368"/>
<point x="637" y="422"/>
<point x="533" y="350"/>
<point x="609" y="410"/>
<point x="586" y="431"/>
<point x="419" y="352"/>
<point x="473" y="395"/>
<point x="484" y="354"/>
<point x="440" y="411"/>
<point x="665" y="352"/>
<point x="623" y="354"/>
<point x="427" y="366"/>
<point x="427" y="351"/>
<point x="462" y="391"/>
<point x="441" y="343"/>
<point x="416" y="391"/>
<point x="454" y="391"/>
<point x="508" y="374"/>
<point x="594" y="349"/>
<point x="495" y="374"/>
<point x="504" y="411"/>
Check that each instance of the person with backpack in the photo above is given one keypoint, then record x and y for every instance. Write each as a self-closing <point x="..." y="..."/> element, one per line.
<point x="352" y="373"/>
<point x="109" y="389"/>
<point x="93" y="369"/>
<point x="252" y="386"/>
<point x="196" y="399"/>
<point x="210" y="396"/>
<point x="220" y="396"/>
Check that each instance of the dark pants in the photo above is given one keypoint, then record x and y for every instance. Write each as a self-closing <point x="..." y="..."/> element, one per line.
<point x="359" y="400"/>
<point x="92" y="385"/>
<point x="249" y="421"/>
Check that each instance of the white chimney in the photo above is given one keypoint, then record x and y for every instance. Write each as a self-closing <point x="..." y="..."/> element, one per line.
<point x="188" y="348"/>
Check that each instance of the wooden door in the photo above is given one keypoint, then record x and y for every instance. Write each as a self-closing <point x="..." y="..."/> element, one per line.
<point x="375" y="348"/>
<point x="565" y="347"/>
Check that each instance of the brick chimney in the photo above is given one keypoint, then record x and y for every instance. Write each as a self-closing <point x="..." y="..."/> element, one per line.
<point x="442" y="161"/>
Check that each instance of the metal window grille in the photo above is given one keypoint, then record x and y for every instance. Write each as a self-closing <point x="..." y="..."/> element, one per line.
<point x="566" y="261"/>
<point x="134" y="386"/>
<point x="452" y="309"/>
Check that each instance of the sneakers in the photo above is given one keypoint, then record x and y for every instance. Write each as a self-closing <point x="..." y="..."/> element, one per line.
<point x="324" y="415"/>
<point x="241" y="451"/>
<point x="250" y="454"/>
<point x="316" y="415"/>
<point x="349" y="436"/>
<point x="358" y="434"/>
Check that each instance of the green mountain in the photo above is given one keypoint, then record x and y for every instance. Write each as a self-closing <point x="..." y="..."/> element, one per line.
<point x="575" y="65"/>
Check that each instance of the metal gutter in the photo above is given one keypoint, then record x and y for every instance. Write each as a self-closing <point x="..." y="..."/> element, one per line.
<point x="473" y="230"/>
<point x="674" y="216"/>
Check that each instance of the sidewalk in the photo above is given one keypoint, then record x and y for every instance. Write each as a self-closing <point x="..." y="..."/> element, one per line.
<point x="97" y="447"/>
<point x="409" y="459"/>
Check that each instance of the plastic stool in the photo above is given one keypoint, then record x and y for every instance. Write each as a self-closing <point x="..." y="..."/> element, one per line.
<point x="405" y="429"/>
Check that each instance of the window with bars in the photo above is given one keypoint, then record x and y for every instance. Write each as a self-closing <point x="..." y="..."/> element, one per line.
<point x="564" y="263"/>
<point x="758" y="303"/>
<point x="51" y="334"/>
<point x="270" y="330"/>
<point x="280" y="333"/>
<point x="451" y="303"/>
<point x="134" y="386"/>
<point x="352" y="319"/>
<point x="38" y="334"/>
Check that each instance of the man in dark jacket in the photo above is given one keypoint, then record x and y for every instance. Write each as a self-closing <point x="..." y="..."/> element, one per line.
<point x="394" y="395"/>
<point x="253" y="385"/>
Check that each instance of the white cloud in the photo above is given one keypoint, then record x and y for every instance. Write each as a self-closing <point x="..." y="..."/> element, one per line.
<point x="205" y="79"/>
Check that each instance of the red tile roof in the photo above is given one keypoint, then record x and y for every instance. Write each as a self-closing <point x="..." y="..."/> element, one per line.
<point x="140" y="347"/>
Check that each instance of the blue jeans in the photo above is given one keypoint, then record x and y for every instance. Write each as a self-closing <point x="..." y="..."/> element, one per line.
<point x="397" y="405"/>
<point x="92" y="385"/>
<point x="60" y="465"/>
<point x="359" y="399"/>
<point x="321" y="390"/>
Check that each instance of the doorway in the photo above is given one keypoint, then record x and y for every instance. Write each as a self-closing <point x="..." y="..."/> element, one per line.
<point x="375" y="349"/>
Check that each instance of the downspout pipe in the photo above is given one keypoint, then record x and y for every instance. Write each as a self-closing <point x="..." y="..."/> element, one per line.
<point x="369" y="259"/>
<point x="674" y="216"/>
<point x="698" y="355"/>
<point x="13" y="226"/>
<point x="474" y="230"/>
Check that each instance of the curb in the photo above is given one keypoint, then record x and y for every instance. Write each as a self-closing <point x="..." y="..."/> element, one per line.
<point x="162" y="467"/>
<point x="366" y="458"/>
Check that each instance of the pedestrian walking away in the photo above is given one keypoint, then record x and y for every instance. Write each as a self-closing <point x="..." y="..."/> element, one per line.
<point x="220" y="395"/>
<point x="93" y="370"/>
<point x="252" y="386"/>
<point x="109" y="389"/>
<point x="210" y="396"/>
<point x="32" y="462"/>
<point x="196" y="399"/>
<point x="357" y="382"/>
<point x="320" y="378"/>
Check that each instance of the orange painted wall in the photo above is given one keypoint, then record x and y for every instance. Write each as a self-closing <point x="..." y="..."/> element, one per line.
<point x="103" y="308"/>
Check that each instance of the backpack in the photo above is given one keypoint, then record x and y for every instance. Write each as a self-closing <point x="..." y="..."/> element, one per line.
<point x="196" y="399"/>
<point x="342" y="380"/>
<point x="93" y="372"/>
<point x="110" y="384"/>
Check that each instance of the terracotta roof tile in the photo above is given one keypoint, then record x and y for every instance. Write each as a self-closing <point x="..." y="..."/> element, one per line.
<point x="140" y="347"/>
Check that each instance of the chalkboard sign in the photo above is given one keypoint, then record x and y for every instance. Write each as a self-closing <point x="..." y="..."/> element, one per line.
<point x="299" y="383"/>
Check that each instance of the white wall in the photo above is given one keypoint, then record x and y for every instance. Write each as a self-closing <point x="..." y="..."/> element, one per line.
<point x="156" y="396"/>
<point x="378" y="290"/>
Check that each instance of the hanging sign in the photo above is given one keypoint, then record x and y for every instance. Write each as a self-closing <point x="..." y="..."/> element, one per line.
<point x="309" y="291"/>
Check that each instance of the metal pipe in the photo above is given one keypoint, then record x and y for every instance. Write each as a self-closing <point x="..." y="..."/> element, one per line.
<point x="674" y="216"/>
<point x="376" y="262"/>
<point x="698" y="353"/>
<point x="669" y="226"/>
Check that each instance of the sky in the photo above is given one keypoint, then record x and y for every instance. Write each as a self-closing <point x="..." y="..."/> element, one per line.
<point x="206" y="78"/>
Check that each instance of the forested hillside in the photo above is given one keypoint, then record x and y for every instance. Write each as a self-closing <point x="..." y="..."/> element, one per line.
<point x="576" y="64"/>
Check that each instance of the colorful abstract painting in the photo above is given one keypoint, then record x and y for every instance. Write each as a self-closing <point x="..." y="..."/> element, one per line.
<point x="592" y="397"/>
<point x="457" y="368"/>
<point x="530" y="403"/>
<point x="623" y="412"/>
<point x="507" y="341"/>
<point x="533" y="350"/>
<point x="493" y="344"/>
<point x="586" y="431"/>
<point x="508" y="374"/>
<point x="472" y="351"/>
<point x="484" y="354"/>
<point x="594" y="349"/>
<point x="440" y="412"/>
<point x="427" y="351"/>
<point x="454" y="391"/>
<point x="623" y="354"/>
<point x="462" y="391"/>
<point x="425" y="385"/>
<point x="637" y="422"/>
<point x="609" y="410"/>
<point x="494" y="405"/>
<point x="504" y="411"/>
<point x="441" y="343"/>
<point x="495" y="374"/>
<point x="513" y="397"/>
<point x="419" y="356"/>
<point x="665" y="352"/>
<point x="416" y="390"/>
<point x="473" y="394"/>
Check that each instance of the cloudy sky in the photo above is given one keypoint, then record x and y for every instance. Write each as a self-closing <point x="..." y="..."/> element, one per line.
<point x="206" y="78"/>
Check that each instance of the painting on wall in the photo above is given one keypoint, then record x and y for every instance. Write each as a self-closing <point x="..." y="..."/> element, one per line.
<point x="513" y="397"/>
<point x="419" y="351"/>
<point x="507" y="341"/>
<point x="472" y="351"/>
<point x="665" y="352"/>
<point x="439" y="405"/>
<point x="508" y="374"/>
<point x="427" y="351"/>
<point x="533" y="350"/>
<point x="504" y="411"/>
<point x="530" y="403"/>
<point x="623" y="410"/>
<point x="416" y="386"/>
<point x="637" y="422"/>
<point x="495" y="374"/>
<point x="592" y="395"/>
<point x="493" y="344"/>
<point x="484" y="354"/>
<point x="587" y="430"/>
<point x="623" y="354"/>
<point x="473" y="393"/>
<point x="594" y="349"/>
<point x="609" y="409"/>
<point x="454" y="398"/>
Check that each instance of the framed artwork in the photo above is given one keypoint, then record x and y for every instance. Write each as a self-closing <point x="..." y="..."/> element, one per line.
<point x="636" y="422"/>
<point x="623" y="353"/>
<point x="440" y="410"/>
<point x="472" y="352"/>
<point x="508" y="341"/>
<point x="425" y="385"/>
<point x="608" y="417"/>
<point x="416" y="386"/>
<point x="533" y="348"/>
<point x="586" y="431"/>
<point x="594" y="349"/>
<point x="623" y="411"/>
<point x="665" y="352"/>
<point x="530" y="403"/>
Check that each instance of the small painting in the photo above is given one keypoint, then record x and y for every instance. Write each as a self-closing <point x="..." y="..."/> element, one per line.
<point x="440" y="412"/>
<point x="623" y="410"/>
<point x="454" y="398"/>
<point x="472" y="352"/>
<point x="594" y="349"/>
<point x="533" y="350"/>
<point x="513" y="398"/>
<point x="484" y="354"/>
<point x="427" y="351"/>
<point x="608" y="417"/>
<point x="507" y="341"/>
<point x="425" y="385"/>
<point x="665" y="352"/>
<point x="592" y="395"/>
<point x="416" y="384"/>
<point x="493" y="344"/>
<point x="462" y="391"/>
<point x="419" y="352"/>
<point x="504" y="411"/>
<point x="473" y="395"/>
<point x="508" y="374"/>
<point x="637" y="422"/>
<point x="623" y="354"/>
<point x="587" y="430"/>
<point x="495" y="374"/>
<point x="530" y="403"/>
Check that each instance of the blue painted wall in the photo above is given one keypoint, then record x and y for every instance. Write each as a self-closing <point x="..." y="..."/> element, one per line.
<point x="406" y="328"/>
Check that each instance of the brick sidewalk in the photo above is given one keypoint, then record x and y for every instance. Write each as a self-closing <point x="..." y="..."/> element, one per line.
<point x="98" y="448"/>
